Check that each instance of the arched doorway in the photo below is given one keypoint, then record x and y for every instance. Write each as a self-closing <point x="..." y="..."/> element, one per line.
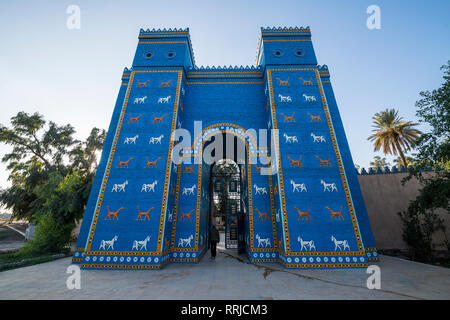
<point x="227" y="186"/>
<point x="226" y="200"/>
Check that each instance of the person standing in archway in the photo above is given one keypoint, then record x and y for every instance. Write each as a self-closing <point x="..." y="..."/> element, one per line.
<point x="214" y="239"/>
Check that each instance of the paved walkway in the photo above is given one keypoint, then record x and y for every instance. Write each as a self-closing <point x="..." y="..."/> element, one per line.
<point x="229" y="277"/>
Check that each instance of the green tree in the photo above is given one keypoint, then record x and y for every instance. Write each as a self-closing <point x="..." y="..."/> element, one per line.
<point x="51" y="174"/>
<point x="379" y="162"/>
<point x="392" y="134"/>
<point x="399" y="161"/>
<point x="433" y="151"/>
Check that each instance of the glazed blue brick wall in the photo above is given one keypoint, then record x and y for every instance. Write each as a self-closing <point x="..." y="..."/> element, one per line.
<point x="226" y="99"/>
<point x="288" y="52"/>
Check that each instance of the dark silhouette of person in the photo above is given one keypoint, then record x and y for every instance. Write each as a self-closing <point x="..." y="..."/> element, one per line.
<point x="214" y="238"/>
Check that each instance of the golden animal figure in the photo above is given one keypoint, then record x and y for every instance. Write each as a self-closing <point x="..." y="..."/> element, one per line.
<point x="325" y="163"/>
<point x="124" y="164"/>
<point x="112" y="215"/>
<point x="288" y="119"/>
<point x="307" y="82"/>
<point x="144" y="215"/>
<point x="303" y="215"/>
<point x="315" y="118"/>
<point x="152" y="164"/>
<point x="296" y="163"/>
<point x="185" y="216"/>
<point x="335" y="215"/>
<point x="264" y="216"/>
<point x="158" y="119"/>
<point x="135" y="119"/>
<point x="283" y="83"/>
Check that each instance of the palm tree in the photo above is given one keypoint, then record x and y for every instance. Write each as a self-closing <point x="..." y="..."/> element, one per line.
<point x="379" y="162"/>
<point x="393" y="134"/>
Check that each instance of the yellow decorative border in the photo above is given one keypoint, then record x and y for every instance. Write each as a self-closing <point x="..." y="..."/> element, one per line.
<point x="242" y="82"/>
<point x="175" y="208"/>
<point x="213" y="75"/>
<point x="159" y="42"/>
<point x="287" y="40"/>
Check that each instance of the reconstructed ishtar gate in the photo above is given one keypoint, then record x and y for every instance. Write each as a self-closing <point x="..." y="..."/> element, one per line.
<point x="297" y="200"/>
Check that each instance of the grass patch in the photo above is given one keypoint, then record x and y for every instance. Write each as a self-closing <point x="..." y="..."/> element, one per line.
<point x="442" y="262"/>
<point x="7" y="234"/>
<point x="18" y="260"/>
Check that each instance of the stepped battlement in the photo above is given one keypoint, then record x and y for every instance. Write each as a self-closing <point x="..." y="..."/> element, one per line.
<point x="225" y="68"/>
<point x="158" y="31"/>
<point x="285" y="30"/>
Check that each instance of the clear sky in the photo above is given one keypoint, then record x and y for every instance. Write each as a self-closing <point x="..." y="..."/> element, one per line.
<point x="73" y="76"/>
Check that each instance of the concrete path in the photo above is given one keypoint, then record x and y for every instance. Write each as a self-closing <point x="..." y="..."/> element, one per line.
<point x="229" y="277"/>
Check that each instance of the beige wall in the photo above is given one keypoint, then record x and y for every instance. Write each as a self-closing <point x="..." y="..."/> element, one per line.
<point x="384" y="196"/>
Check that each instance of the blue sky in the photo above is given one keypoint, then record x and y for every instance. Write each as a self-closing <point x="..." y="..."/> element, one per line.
<point x="73" y="76"/>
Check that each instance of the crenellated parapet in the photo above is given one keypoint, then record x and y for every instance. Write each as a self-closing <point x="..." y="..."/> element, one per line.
<point x="286" y="31"/>
<point x="126" y="74"/>
<point x="164" y="30"/>
<point x="230" y="72"/>
<point x="224" y="68"/>
<point x="324" y="72"/>
<point x="387" y="170"/>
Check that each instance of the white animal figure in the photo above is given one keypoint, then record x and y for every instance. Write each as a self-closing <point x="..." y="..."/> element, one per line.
<point x="140" y="100"/>
<point x="339" y="243"/>
<point x="285" y="98"/>
<point x="170" y="216"/>
<point x="119" y="187"/>
<point x="143" y="244"/>
<point x="307" y="245"/>
<point x="260" y="190"/>
<point x="309" y="98"/>
<point x="299" y="187"/>
<point x="188" y="191"/>
<point x="149" y="186"/>
<point x="184" y="242"/>
<point x="164" y="100"/>
<point x="109" y="243"/>
<point x="328" y="186"/>
<point x="290" y="139"/>
<point x="156" y="140"/>
<point x="182" y="90"/>
<point x="277" y="215"/>
<point x="318" y="138"/>
<point x="263" y="241"/>
<point x="131" y="140"/>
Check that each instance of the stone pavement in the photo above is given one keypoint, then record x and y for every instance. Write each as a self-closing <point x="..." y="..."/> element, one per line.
<point x="229" y="277"/>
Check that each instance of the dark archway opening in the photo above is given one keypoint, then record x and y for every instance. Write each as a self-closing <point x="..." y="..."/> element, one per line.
<point x="227" y="185"/>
